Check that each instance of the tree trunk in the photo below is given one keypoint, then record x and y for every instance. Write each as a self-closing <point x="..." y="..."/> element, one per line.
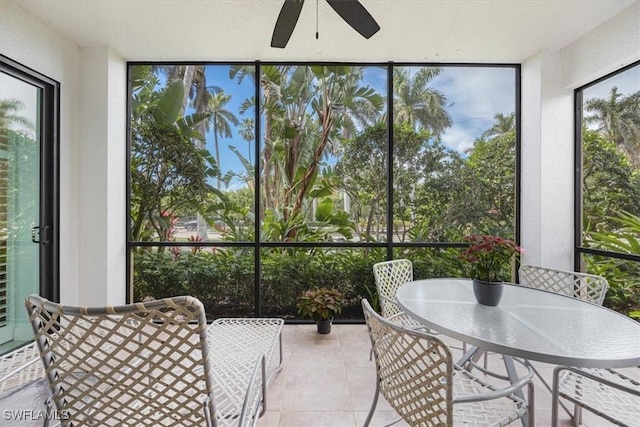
<point x="187" y="80"/>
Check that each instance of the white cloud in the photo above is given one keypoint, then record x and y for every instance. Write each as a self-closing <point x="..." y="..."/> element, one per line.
<point x="458" y="138"/>
<point x="475" y="95"/>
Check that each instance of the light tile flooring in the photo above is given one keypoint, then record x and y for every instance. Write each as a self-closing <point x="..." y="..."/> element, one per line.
<point x="328" y="381"/>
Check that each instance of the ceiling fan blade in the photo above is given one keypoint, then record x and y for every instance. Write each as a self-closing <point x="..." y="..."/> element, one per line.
<point x="287" y="20"/>
<point x="354" y="14"/>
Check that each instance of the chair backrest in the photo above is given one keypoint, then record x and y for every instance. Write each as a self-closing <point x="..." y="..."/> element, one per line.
<point x="389" y="277"/>
<point x="132" y="365"/>
<point x="587" y="287"/>
<point x="414" y="371"/>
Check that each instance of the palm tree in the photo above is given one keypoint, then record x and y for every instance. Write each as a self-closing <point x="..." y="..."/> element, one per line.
<point x="305" y="108"/>
<point x="417" y="104"/>
<point x="9" y="116"/>
<point x="197" y="93"/>
<point x="618" y="119"/>
<point x="502" y="125"/>
<point x="311" y="107"/>
<point x="247" y="131"/>
<point x="220" y="121"/>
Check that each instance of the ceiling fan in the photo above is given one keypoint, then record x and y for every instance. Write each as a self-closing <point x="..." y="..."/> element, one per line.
<point x="352" y="11"/>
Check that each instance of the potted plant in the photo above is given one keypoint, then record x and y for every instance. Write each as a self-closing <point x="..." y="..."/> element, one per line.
<point x="487" y="259"/>
<point x="321" y="305"/>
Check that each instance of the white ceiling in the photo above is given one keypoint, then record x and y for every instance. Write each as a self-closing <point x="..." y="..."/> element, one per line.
<point x="411" y="30"/>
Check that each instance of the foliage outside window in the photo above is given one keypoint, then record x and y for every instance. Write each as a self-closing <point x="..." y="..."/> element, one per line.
<point x="610" y="185"/>
<point x="330" y="170"/>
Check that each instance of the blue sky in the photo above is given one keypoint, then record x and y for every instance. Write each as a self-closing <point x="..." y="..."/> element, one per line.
<point x="474" y="96"/>
<point x="627" y="82"/>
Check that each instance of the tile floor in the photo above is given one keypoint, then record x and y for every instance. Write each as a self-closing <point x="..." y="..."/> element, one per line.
<point x="328" y="381"/>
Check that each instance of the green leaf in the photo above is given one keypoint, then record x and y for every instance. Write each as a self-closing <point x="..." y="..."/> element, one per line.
<point x="290" y="132"/>
<point x="324" y="210"/>
<point x="170" y="102"/>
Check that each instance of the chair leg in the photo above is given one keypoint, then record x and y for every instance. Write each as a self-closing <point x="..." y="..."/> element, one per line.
<point x="577" y="415"/>
<point x="555" y="400"/>
<point x="280" y="361"/>
<point x="264" y="388"/>
<point x="531" y="398"/>
<point x="50" y="408"/>
<point x="544" y="383"/>
<point x="373" y="405"/>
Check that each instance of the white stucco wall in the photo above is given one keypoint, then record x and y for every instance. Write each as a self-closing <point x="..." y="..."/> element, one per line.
<point x="547" y="164"/>
<point x="548" y="81"/>
<point x="608" y="48"/>
<point x="103" y="176"/>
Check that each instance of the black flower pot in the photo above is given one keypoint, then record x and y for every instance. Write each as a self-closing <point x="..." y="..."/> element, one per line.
<point x="487" y="293"/>
<point x="324" y="326"/>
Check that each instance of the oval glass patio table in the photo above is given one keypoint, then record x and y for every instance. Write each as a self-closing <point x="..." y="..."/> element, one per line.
<point x="529" y="323"/>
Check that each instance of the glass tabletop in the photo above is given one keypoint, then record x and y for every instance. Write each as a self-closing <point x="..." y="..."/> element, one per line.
<point x="529" y="323"/>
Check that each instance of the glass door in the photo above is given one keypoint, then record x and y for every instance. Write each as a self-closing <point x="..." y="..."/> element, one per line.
<point x="26" y="227"/>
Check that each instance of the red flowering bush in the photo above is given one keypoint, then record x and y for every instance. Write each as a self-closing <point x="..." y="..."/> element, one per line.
<point x="487" y="256"/>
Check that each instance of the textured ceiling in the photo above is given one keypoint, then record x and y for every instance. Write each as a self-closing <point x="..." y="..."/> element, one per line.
<point x="411" y="30"/>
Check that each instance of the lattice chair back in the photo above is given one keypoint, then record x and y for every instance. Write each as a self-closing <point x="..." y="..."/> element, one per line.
<point x="389" y="277"/>
<point x="145" y="364"/>
<point x="587" y="287"/>
<point x="414" y="371"/>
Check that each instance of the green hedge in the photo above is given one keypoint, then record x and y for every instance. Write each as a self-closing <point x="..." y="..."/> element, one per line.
<point x="224" y="280"/>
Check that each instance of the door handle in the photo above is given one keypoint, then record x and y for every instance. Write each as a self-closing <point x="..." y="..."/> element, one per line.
<point x="35" y="234"/>
<point x="40" y="234"/>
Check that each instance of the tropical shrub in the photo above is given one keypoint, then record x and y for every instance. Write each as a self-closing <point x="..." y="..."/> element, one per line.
<point x="222" y="281"/>
<point x="320" y="303"/>
<point x="623" y="275"/>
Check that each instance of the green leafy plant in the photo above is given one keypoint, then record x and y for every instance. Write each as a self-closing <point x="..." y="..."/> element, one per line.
<point x="320" y="303"/>
<point x="486" y="256"/>
<point x="623" y="275"/>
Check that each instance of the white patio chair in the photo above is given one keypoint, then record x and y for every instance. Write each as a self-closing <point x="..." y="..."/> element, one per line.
<point x="416" y="375"/>
<point x="610" y="394"/>
<point x="587" y="287"/>
<point x="389" y="277"/>
<point x="144" y="364"/>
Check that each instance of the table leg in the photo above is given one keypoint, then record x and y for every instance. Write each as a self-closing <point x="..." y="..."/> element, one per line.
<point x="474" y="353"/>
